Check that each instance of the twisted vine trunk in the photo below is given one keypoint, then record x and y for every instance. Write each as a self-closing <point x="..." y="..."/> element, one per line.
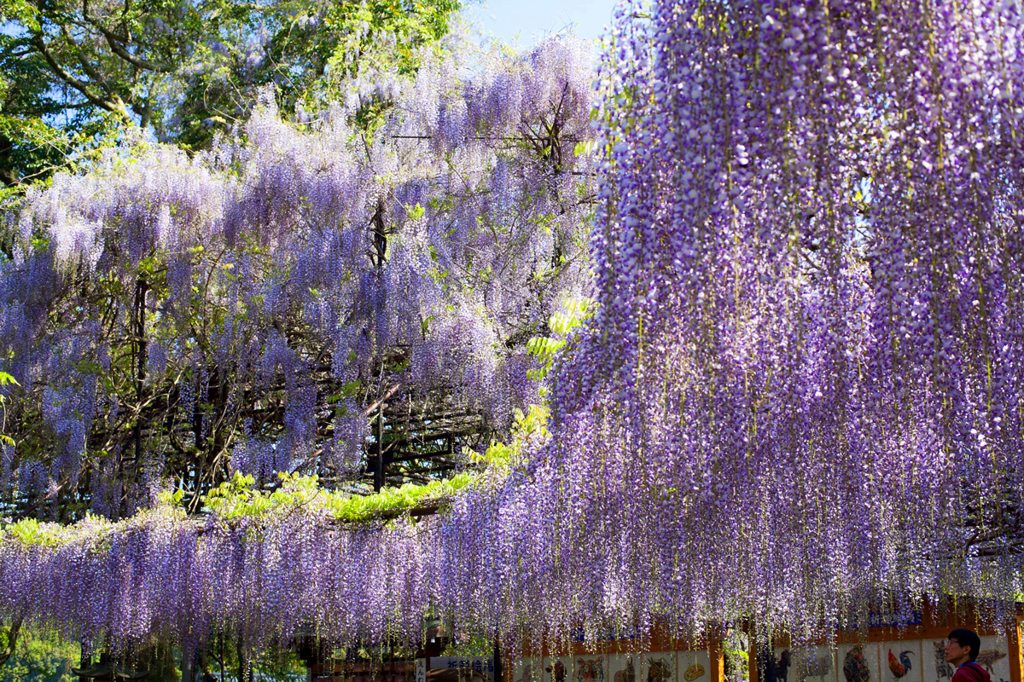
<point x="12" y="640"/>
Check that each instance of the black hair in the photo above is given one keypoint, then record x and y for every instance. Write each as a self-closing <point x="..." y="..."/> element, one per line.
<point x="965" y="637"/>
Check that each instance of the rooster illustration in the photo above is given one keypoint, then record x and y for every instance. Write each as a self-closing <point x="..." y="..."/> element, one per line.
<point x="900" y="666"/>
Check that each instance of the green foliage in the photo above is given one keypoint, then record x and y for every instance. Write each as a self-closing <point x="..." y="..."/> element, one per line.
<point x="41" y="657"/>
<point x="736" y="656"/>
<point x="43" y="124"/>
<point x="5" y="380"/>
<point x="268" y="665"/>
<point x="531" y="428"/>
<point x="470" y="646"/>
<point x="408" y="496"/>
<point x="29" y="531"/>
<point x="528" y="429"/>
<point x="546" y="348"/>
<point x="74" y="74"/>
<point x="239" y="498"/>
<point x="32" y="532"/>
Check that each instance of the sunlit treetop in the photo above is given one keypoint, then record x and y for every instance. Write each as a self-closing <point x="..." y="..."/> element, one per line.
<point x="77" y="73"/>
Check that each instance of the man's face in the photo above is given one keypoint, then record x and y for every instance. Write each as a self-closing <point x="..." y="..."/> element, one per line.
<point x="956" y="653"/>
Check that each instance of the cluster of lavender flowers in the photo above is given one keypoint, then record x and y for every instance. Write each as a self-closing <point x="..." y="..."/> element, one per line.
<point x="263" y="582"/>
<point x="800" y="396"/>
<point x="291" y="264"/>
<point x="799" y="399"/>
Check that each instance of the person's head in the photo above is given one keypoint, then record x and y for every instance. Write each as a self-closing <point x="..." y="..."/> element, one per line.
<point x="962" y="645"/>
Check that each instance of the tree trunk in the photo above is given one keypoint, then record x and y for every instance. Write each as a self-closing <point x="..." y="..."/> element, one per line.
<point x="86" y="660"/>
<point x="12" y="640"/>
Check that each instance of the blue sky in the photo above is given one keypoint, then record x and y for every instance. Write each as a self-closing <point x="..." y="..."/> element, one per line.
<point x="530" y="20"/>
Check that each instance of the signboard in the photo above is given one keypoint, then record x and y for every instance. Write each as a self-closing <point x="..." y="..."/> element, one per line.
<point x="482" y="664"/>
<point x="889" y="620"/>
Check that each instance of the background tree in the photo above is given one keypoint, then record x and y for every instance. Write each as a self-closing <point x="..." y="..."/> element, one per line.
<point x="187" y="70"/>
<point x="29" y="147"/>
<point x="41" y="656"/>
<point x="283" y="303"/>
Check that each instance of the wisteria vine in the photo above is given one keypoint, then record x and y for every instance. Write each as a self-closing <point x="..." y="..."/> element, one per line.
<point x="176" y="318"/>
<point x="800" y="396"/>
<point x="798" y="399"/>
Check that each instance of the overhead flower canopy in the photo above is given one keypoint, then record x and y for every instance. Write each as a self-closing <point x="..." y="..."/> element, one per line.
<point x="801" y="394"/>
<point x="798" y="398"/>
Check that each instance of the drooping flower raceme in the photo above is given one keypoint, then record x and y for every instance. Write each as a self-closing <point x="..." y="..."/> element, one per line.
<point x="799" y="398"/>
<point x="800" y="395"/>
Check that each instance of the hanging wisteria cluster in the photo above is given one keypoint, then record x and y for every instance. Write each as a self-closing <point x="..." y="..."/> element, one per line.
<point x="264" y="583"/>
<point x="798" y="399"/>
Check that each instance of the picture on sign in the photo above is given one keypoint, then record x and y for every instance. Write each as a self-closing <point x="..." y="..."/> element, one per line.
<point x="659" y="666"/>
<point x="900" y="661"/>
<point x="624" y="668"/>
<point x="693" y="666"/>
<point x="558" y="669"/>
<point x="858" y="663"/>
<point x="814" y="664"/>
<point x="590" y="668"/>
<point x="528" y="670"/>
<point x="993" y="657"/>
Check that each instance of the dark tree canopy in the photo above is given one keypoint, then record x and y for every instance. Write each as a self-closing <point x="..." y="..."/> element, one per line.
<point x="188" y="69"/>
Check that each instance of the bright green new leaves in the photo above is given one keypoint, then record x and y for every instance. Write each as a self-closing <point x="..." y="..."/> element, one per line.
<point x="239" y="498"/>
<point x="530" y="430"/>
<point x="546" y="348"/>
<point x="5" y="380"/>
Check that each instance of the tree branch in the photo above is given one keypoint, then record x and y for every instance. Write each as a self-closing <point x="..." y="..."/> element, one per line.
<point x="117" y="42"/>
<point x="82" y="87"/>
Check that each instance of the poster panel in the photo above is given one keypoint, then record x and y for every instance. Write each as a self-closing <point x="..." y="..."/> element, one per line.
<point x="693" y="666"/>
<point x="590" y="668"/>
<point x="814" y="664"/>
<point x="993" y="658"/>
<point x="528" y="669"/>
<point x="858" y="663"/>
<point x="658" y="666"/>
<point x="624" y="668"/>
<point x="900" y="661"/>
<point x="558" y="669"/>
